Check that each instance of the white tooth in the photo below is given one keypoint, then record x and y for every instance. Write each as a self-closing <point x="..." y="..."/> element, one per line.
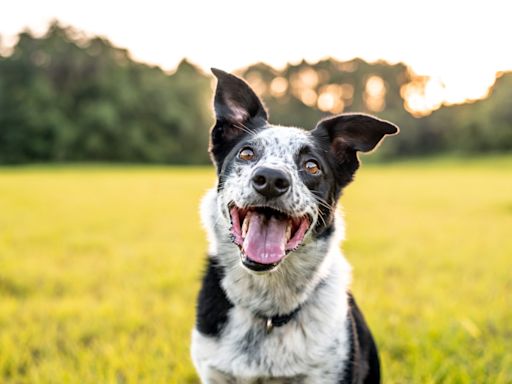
<point x="245" y="225"/>
<point x="289" y="231"/>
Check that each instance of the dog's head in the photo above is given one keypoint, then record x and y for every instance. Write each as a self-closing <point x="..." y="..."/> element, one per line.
<point x="278" y="186"/>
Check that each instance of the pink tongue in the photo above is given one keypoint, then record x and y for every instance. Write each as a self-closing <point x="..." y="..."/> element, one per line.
<point x="265" y="241"/>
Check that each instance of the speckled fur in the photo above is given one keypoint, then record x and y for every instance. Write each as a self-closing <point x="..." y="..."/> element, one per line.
<point x="276" y="147"/>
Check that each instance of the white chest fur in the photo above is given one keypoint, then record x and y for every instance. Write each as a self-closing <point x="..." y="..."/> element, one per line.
<point x="311" y="348"/>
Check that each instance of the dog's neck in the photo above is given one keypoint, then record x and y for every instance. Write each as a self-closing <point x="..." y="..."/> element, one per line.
<point x="282" y="291"/>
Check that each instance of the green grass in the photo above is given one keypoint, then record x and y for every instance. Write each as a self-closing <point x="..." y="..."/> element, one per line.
<point x="100" y="265"/>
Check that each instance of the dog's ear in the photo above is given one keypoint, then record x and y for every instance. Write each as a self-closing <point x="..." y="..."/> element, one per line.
<point x="353" y="131"/>
<point x="238" y="111"/>
<point x="349" y="133"/>
<point x="235" y="101"/>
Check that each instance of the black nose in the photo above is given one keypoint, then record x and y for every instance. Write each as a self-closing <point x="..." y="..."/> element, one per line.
<point x="270" y="182"/>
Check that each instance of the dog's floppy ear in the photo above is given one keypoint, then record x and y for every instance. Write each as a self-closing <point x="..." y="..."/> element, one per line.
<point x="349" y="133"/>
<point x="238" y="111"/>
<point x="354" y="131"/>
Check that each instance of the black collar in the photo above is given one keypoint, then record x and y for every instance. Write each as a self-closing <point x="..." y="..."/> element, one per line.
<point x="274" y="321"/>
<point x="278" y="320"/>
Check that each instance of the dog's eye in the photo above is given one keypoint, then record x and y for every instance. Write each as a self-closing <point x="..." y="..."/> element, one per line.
<point x="312" y="167"/>
<point x="246" y="154"/>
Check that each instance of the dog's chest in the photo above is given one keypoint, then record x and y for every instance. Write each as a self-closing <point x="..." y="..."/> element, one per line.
<point x="298" y="352"/>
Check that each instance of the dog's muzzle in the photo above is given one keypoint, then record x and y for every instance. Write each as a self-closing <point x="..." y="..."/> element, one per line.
<point x="265" y="235"/>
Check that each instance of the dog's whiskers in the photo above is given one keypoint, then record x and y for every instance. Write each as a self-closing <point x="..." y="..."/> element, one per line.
<point x="320" y="216"/>
<point x="322" y="201"/>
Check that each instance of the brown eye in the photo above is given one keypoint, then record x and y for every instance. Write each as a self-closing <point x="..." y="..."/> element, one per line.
<point x="246" y="154"/>
<point x="312" y="167"/>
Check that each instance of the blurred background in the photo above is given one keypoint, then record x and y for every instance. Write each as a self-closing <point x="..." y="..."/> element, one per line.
<point x="104" y="118"/>
<point x="70" y="93"/>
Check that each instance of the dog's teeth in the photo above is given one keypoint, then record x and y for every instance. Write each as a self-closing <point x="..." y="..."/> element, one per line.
<point x="289" y="231"/>
<point x="245" y="225"/>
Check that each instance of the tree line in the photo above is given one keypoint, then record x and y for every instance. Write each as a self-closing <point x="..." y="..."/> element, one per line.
<point x="66" y="97"/>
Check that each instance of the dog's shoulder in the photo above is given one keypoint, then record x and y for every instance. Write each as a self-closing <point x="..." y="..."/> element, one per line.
<point x="363" y="363"/>
<point x="212" y="304"/>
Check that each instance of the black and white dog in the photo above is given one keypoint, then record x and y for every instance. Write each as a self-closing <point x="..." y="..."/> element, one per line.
<point x="275" y="305"/>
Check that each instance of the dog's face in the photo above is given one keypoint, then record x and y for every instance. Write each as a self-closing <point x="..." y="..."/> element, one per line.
<point x="278" y="186"/>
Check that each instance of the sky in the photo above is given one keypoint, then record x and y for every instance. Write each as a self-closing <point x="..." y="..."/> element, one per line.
<point x="460" y="45"/>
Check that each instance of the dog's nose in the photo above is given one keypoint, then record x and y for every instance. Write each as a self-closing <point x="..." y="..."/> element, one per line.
<point x="270" y="182"/>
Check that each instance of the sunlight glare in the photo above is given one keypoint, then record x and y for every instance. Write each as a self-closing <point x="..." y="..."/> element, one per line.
<point x="375" y="94"/>
<point x="278" y="86"/>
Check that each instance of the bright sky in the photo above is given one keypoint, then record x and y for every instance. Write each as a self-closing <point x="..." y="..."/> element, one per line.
<point x="459" y="44"/>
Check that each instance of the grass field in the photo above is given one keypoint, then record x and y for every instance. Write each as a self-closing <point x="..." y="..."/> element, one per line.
<point x="99" y="268"/>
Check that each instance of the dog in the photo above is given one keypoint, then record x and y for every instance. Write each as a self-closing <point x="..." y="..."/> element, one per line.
<point x="275" y="304"/>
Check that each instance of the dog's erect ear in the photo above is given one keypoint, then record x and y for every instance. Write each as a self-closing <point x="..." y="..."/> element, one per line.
<point x="238" y="111"/>
<point x="348" y="134"/>
<point x="235" y="101"/>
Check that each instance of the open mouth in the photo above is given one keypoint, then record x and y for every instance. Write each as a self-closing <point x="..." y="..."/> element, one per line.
<point x="266" y="235"/>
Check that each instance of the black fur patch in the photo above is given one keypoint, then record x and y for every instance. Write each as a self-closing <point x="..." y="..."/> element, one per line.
<point x="327" y="186"/>
<point x="342" y="163"/>
<point x="363" y="365"/>
<point x="324" y="231"/>
<point x="212" y="304"/>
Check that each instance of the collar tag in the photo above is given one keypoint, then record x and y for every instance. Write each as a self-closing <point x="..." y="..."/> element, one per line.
<point x="269" y="326"/>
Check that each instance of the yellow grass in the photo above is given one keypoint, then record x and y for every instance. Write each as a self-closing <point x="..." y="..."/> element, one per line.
<point x="99" y="268"/>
